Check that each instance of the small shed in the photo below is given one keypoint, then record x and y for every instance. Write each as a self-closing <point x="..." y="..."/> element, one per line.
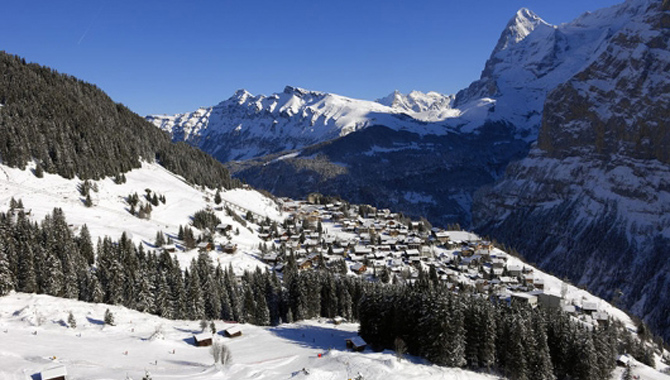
<point x="359" y="268"/>
<point x="223" y="228"/>
<point x="229" y="248"/>
<point x="169" y="248"/>
<point x="54" y="373"/>
<point x="205" y="246"/>
<point x="202" y="340"/>
<point x="232" y="332"/>
<point x="356" y="344"/>
<point x="623" y="360"/>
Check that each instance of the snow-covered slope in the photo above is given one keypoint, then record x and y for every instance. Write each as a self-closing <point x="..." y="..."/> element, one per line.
<point x="35" y="337"/>
<point x="109" y="214"/>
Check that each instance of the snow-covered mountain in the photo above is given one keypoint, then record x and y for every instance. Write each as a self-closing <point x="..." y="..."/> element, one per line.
<point x="246" y="126"/>
<point x="592" y="197"/>
<point x="531" y="58"/>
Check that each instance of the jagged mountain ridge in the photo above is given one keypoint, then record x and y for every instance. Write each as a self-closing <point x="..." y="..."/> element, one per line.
<point x="246" y="126"/>
<point x="592" y="199"/>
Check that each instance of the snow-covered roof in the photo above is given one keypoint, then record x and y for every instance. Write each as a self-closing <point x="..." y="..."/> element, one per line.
<point x="357" y="341"/>
<point x="232" y="330"/>
<point x="54" y="372"/>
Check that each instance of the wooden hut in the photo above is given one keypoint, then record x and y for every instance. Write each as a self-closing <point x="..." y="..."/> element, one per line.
<point x="202" y="340"/>
<point x="356" y="344"/>
<point x="232" y="332"/>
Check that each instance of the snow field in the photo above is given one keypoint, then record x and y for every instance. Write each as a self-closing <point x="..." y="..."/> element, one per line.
<point x="34" y="336"/>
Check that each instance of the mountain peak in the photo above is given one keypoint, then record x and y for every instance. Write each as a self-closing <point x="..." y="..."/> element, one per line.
<point x="518" y="27"/>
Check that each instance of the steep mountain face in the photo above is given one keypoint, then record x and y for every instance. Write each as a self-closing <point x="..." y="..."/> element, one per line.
<point x="592" y="199"/>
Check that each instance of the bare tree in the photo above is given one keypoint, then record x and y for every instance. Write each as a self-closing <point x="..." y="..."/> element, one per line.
<point x="221" y="353"/>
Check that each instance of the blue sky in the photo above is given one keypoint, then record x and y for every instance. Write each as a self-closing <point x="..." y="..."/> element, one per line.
<point x="175" y="56"/>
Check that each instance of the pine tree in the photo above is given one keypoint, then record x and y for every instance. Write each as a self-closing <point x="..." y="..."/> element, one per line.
<point x="71" y="321"/>
<point x="85" y="245"/>
<point x="217" y="197"/>
<point x="6" y="276"/>
<point x="88" y="202"/>
<point x="109" y="318"/>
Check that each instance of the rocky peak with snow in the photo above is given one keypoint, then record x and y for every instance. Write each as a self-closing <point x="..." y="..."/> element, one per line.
<point x="519" y="27"/>
<point x="593" y="197"/>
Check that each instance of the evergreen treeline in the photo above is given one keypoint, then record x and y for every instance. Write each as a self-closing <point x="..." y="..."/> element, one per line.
<point x="48" y="258"/>
<point x="467" y="330"/>
<point x="73" y="128"/>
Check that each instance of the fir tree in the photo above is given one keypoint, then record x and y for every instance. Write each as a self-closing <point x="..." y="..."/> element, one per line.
<point x="6" y="276"/>
<point x="109" y="318"/>
<point x="71" y="321"/>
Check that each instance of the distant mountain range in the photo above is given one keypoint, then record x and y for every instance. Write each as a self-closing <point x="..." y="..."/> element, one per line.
<point x="580" y="110"/>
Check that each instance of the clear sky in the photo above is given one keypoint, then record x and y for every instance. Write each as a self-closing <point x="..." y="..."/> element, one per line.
<point x="175" y="56"/>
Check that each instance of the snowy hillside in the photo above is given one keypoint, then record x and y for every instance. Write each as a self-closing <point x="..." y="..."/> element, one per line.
<point x="109" y="215"/>
<point x="35" y="337"/>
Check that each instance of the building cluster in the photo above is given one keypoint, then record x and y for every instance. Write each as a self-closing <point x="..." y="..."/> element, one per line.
<point x="379" y="244"/>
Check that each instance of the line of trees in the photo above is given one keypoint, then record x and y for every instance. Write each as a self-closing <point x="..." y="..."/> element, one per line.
<point x="469" y="330"/>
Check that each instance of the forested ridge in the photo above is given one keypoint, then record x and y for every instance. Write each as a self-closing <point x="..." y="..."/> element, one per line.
<point x="72" y="128"/>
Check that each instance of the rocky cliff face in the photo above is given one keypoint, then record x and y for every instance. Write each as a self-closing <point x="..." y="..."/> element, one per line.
<point x="592" y="199"/>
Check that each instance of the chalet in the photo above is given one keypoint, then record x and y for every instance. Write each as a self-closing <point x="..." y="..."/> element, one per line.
<point x="414" y="242"/>
<point x="623" y="360"/>
<point x="524" y="298"/>
<point x="356" y="344"/>
<point x="410" y="253"/>
<point x="570" y="310"/>
<point x="589" y="307"/>
<point x="514" y="269"/>
<point x="223" y="228"/>
<point x="441" y="236"/>
<point x="232" y="332"/>
<point x="602" y="318"/>
<point x="362" y="250"/>
<point x="359" y="268"/>
<point x="229" y="248"/>
<point x="169" y="248"/>
<point x="205" y="246"/>
<point x="338" y="320"/>
<point x="54" y="373"/>
<point x="271" y="258"/>
<point x="202" y="340"/>
<point x="305" y="264"/>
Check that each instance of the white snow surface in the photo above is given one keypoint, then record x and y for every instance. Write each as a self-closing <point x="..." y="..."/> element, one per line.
<point x="35" y="336"/>
<point x="109" y="215"/>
